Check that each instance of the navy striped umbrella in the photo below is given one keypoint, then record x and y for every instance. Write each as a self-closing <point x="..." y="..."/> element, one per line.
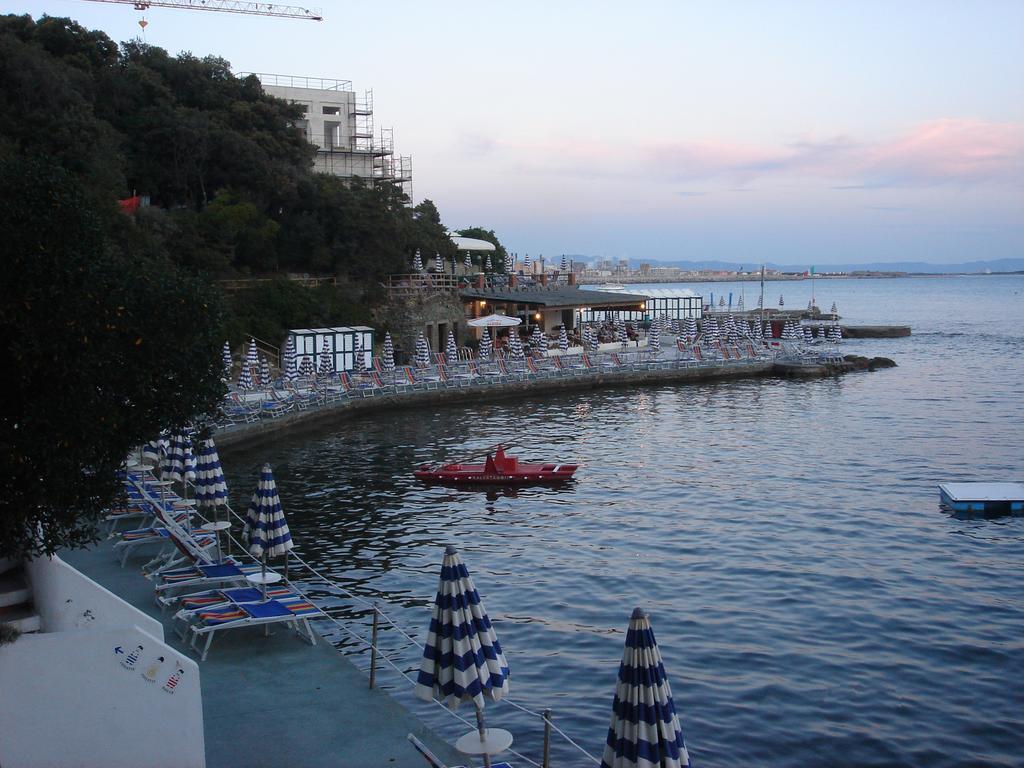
<point x="486" y="345"/>
<point x="422" y="357"/>
<point x="563" y="339"/>
<point x="721" y="301"/>
<point x="810" y="305"/>
<point x="808" y="334"/>
<point x="510" y="263"/>
<point x="537" y="343"/>
<point x="155" y="450"/>
<point x="468" y="261"/>
<point x="306" y="369"/>
<point x="620" y="331"/>
<point x="654" y="337"/>
<point x="644" y="730"/>
<point x="291" y="372"/>
<point x="438" y="263"/>
<point x="264" y="371"/>
<point x="326" y="365"/>
<point x="417" y="262"/>
<point x="690" y="328"/>
<point x="487" y="263"/>
<point x="527" y="266"/>
<point x="739" y="304"/>
<point x="595" y="340"/>
<point x="782" y="301"/>
<point x="835" y="334"/>
<point x="388" y="355"/>
<point x="462" y="658"/>
<point x="358" y="356"/>
<point x="211" y="489"/>
<point x="266" y="530"/>
<point x="451" y="352"/>
<point x="515" y="345"/>
<point x="250" y="364"/>
<point x="225" y="356"/>
<point x="175" y="460"/>
<point x="564" y="266"/>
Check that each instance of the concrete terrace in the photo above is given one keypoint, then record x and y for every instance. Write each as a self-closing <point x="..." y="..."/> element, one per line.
<point x="276" y="701"/>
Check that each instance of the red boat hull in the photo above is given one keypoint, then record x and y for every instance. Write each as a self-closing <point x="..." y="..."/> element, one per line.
<point x="498" y="470"/>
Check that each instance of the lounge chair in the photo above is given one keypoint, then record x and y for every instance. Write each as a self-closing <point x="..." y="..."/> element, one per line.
<point x="295" y="611"/>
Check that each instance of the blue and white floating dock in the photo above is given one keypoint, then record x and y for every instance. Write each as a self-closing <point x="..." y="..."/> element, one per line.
<point x="990" y="498"/>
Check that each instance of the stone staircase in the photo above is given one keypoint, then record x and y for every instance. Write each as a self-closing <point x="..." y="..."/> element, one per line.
<point x="16" y="608"/>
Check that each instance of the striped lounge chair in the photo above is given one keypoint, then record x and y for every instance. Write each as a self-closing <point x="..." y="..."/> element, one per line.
<point x="295" y="611"/>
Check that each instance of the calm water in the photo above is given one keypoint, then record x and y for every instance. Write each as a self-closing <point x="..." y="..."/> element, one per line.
<point x="813" y="604"/>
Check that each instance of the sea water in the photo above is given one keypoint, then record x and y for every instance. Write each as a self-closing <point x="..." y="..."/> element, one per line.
<point x="812" y="602"/>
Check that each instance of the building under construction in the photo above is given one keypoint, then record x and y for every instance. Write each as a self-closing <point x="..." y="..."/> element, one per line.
<point x="339" y="123"/>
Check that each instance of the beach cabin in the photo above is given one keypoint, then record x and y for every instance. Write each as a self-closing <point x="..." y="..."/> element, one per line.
<point x="341" y="341"/>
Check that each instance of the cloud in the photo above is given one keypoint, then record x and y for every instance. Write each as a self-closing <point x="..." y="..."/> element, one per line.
<point x="947" y="151"/>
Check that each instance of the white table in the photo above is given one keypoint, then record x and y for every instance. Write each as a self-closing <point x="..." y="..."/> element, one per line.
<point x="495" y="740"/>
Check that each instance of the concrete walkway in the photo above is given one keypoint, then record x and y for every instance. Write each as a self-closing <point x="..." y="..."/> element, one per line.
<point x="276" y="701"/>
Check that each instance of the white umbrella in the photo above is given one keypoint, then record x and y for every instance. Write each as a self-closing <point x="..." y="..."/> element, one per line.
<point x="494" y="321"/>
<point x="225" y="356"/>
<point x="563" y="339"/>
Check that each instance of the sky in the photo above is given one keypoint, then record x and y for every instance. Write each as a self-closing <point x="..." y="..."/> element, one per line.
<point x="789" y="132"/>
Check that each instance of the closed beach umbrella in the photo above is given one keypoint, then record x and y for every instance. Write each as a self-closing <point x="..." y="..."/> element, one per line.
<point x="326" y="365"/>
<point x="422" y="356"/>
<point x="721" y="302"/>
<point x="358" y="357"/>
<point x="388" y="355"/>
<point x="527" y="266"/>
<point x="810" y="305"/>
<point x="417" y="262"/>
<point x="595" y="340"/>
<point x="249" y="365"/>
<point x="509" y="262"/>
<point x="462" y="658"/>
<point x="644" y="730"/>
<point x="291" y="371"/>
<point x="468" y="261"/>
<point x="154" y="450"/>
<point x="739" y="304"/>
<point x="564" y="266"/>
<point x="834" y="308"/>
<point x="438" y="263"/>
<point x="620" y="331"/>
<point x="266" y="530"/>
<point x="264" y="371"/>
<point x="486" y="345"/>
<point x="306" y="369"/>
<point x="225" y="356"/>
<point x="177" y="458"/>
<point x="654" y="337"/>
<point x="835" y="334"/>
<point x="487" y="263"/>
<point x="563" y="339"/>
<point x="690" y="329"/>
<point x="515" y="345"/>
<point x="211" y="489"/>
<point x="808" y="334"/>
<point x="782" y="301"/>
<point x="537" y="343"/>
<point x="451" y="352"/>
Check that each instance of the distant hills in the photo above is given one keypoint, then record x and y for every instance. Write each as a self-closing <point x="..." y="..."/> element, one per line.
<point x="914" y="267"/>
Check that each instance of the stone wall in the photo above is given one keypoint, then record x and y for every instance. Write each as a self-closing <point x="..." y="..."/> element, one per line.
<point x="407" y="317"/>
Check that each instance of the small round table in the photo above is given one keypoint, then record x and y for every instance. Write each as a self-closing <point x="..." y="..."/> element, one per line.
<point x="495" y="740"/>
<point x="217" y="526"/>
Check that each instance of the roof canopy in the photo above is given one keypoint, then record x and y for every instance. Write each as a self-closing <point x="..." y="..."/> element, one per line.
<point x="471" y="244"/>
<point x="555" y="297"/>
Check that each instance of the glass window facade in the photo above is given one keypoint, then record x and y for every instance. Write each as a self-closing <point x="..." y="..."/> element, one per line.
<point x="672" y="307"/>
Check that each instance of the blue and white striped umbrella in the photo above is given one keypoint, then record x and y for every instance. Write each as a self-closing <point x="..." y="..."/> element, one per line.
<point x="487" y="263"/>
<point x="527" y="265"/>
<point x="358" y="356"/>
<point x="417" y="262"/>
<point x="834" y="309"/>
<point x="265" y="527"/>
<point x="225" y="356"/>
<point x="510" y="263"/>
<point x="563" y="339"/>
<point x="179" y="462"/>
<point x="468" y="261"/>
<point x="249" y="366"/>
<point x="422" y="356"/>
<point x="564" y="266"/>
<point x="264" y="371"/>
<point x="462" y="658"/>
<point x="644" y="730"/>
<point x="739" y="304"/>
<point x="326" y="366"/>
<point x="595" y="340"/>
<point x="388" y="354"/>
<point x="690" y="328"/>
<point x="537" y="342"/>
<point x="155" y="450"/>
<point x="451" y="351"/>
<point x="438" y="263"/>
<point x="782" y="301"/>
<point x="721" y="302"/>
<point x="835" y="334"/>
<point x="515" y="345"/>
<point x="306" y="368"/>
<point x="654" y="337"/>
<point x="291" y="371"/>
<point x="211" y="489"/>
<point x="486" y="346"/>
<point x="620" y="331"/>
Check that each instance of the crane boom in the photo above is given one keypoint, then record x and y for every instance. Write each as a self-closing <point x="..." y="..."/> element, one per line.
<point x="225" y="6"/>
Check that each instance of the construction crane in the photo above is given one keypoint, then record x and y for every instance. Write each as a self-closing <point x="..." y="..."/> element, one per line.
<point x="225" y="6"/>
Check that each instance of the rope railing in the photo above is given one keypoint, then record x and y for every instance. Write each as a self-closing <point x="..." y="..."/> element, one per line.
<point x="379" y="653"/>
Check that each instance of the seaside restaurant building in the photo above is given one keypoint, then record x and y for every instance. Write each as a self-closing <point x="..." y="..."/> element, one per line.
<point x="670" y="303"/>
<point x="549" y="306"/>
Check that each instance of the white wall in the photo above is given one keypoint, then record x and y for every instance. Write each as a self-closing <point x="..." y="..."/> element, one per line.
<point x="78" y="698"/>
<point x="66" y="599"/>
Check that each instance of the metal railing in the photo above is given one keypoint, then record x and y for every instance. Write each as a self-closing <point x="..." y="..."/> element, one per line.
<point x="298" y="81"/>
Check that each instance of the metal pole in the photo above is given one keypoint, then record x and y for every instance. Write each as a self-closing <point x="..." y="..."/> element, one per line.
<point x="373" y="645"/>
<point x="546" y="762"/>
<point x="483" y="735"/>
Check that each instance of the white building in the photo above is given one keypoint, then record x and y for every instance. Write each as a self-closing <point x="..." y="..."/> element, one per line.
<point x="339" y="123"/>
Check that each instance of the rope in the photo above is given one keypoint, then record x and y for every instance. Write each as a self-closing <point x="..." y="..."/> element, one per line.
<point x="374" y="607"/>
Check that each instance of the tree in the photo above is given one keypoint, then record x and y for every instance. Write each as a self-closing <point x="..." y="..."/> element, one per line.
<point x="106" y="344"/>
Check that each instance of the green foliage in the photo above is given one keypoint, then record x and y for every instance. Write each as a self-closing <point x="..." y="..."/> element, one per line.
<point x="106" y="342"/>
<point x="498" y="257"/>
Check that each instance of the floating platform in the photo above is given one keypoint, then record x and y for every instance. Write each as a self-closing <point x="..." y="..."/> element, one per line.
<point x="990" y="498"/>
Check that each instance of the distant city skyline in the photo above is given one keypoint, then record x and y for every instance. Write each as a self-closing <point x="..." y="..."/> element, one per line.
<point x="746" y="132"/>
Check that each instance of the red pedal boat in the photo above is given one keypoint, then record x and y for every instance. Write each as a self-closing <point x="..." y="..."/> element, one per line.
<point x="499" y="469"/>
